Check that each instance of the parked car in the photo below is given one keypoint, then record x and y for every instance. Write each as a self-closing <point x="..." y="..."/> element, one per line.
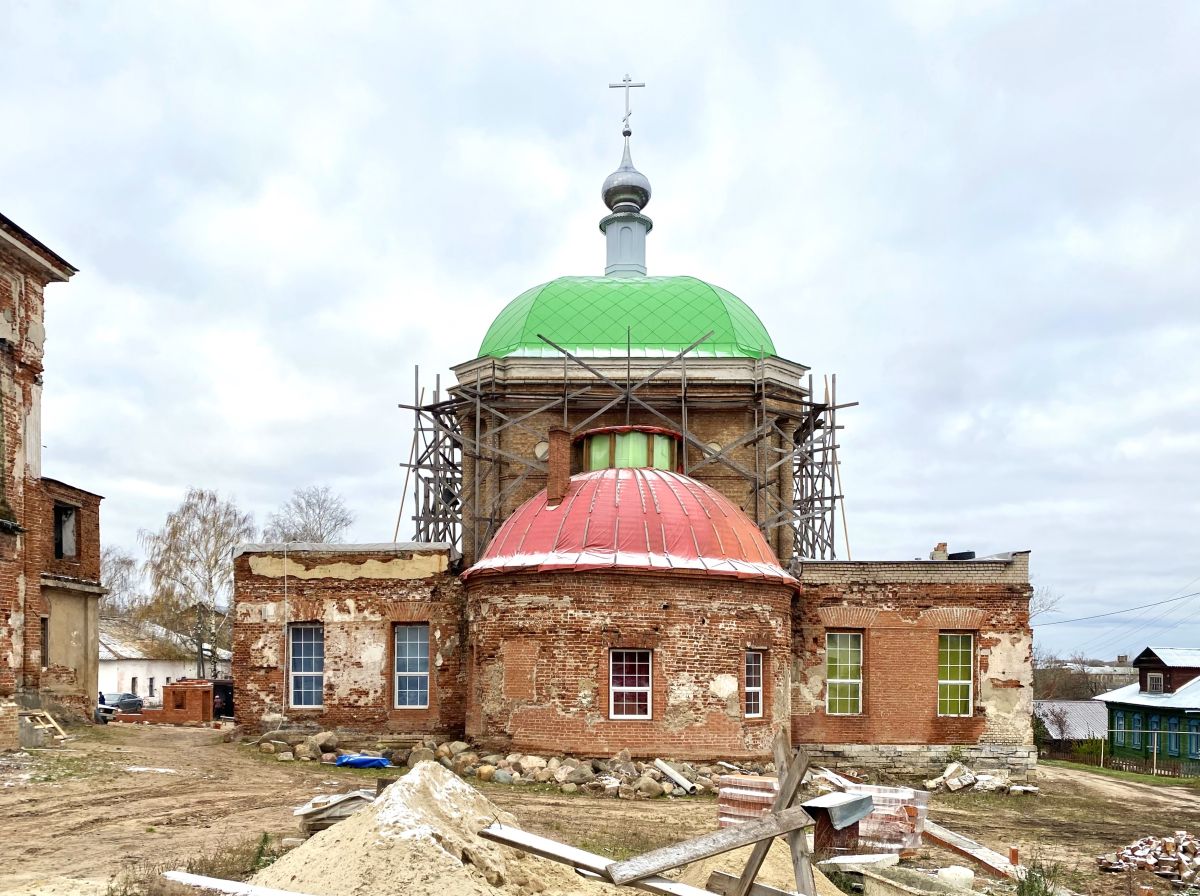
<point x="124" y="702"/>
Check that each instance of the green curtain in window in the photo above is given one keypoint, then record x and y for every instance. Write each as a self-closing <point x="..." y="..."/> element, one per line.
<point x="662" y="453"/>
<point x="598" y="452"/>
<point x="631" y="449"/>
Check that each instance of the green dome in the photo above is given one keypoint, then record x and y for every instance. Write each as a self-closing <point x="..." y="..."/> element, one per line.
<point x="589" y="316"/>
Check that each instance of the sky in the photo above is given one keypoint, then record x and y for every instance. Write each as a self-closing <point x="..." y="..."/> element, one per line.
<point x="983" y="217"/>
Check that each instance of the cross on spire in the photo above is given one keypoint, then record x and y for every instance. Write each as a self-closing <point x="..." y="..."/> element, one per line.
<point x="627" y="83"/>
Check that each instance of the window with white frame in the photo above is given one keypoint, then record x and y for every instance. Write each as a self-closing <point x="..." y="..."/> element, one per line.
<point x="843" y="673"/>
<point x="307" y="664"/>
<point x="1154" y="682"/>
<point x="956" y="674"/>
<point x="629" y="676"/>
<point x="412" y="665"/>
<point x="754" y="684"/>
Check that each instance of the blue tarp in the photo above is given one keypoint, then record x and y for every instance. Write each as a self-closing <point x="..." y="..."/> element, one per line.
<point x="355" y="761"/>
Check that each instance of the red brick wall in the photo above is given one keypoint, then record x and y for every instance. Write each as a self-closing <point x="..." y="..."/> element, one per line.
<point x="359" y="609"/>
<point x="540" y="652"/>
<point x="182" y="702"/>
<point x="900" y="609"/>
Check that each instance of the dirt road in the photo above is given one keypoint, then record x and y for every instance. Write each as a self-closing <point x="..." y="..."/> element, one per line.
<point x="123" y="794"/>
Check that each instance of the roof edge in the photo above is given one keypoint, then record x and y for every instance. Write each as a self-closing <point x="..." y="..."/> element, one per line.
<point x="320" y="547"/>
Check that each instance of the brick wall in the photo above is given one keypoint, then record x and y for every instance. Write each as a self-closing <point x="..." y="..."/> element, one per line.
<point x="539" y="646"/>
<point x="358" y="594"/>
<point x="900" y="609"/>
<point x="10" y="726"/>
<point x="183" y="702"/>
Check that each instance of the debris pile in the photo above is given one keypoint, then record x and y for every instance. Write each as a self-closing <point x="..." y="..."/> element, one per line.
<point x="1172" y="858"/>
<point x="619" y="776"/>
<point x="420" y="836"/>
<point x="958" y="777"/>
<point x="898" y="818"/>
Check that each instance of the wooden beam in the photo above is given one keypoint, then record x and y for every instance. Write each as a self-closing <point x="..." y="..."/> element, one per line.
<point x="708" y="845"/>
<point x="726" y="885"/>
<point x="233" y="887"/>
<point x="989" y="860"/>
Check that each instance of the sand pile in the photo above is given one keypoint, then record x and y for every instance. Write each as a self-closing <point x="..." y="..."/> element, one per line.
<point x="420" y="837"/>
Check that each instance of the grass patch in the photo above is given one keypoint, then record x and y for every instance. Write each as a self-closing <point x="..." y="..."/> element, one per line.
<point x="1156" y="781"/>
<point x="66" y="766"/>
<point x="238" y="862"/>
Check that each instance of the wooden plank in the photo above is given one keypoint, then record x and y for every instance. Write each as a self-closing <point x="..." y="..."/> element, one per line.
<point x="233" y="887"/>
<point x="989" y="860"/>
<point x="726" y="884"/>
<point x="708" y="845"/>
<point x="797" y="842"/>
<point x="589" y="865"/>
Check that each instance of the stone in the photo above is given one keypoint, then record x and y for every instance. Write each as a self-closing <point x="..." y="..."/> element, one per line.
<point x="532" y="763"/>
<point x="581" y="774"/>
<point x="647" y="786"/>
<point x="626" y="770"/>
<point x="561" y="773"/>
<point x="327" y="741"/>
<point x="568" y="788"/>
<point x="485" y="772"/>
<point x="307" y="749"/>
<point x="266" y="747"/>
<point x="543" y="775"/>
<point x="285" y="757"/>
<point x="420" y="754"/>
<point x="291" y="842"/>
<point x="329" y="758"/>
<point x="553" y="764"/>
<point x="493" y="758"/>
<point x="626" y="792"/>
<point x="623" y="756"/>
<point x="463" y="761"/>
<point x="513" y="758"/>
<point x="442" y="751"/>
<point x="502" y="776"/>
<point x="458" y="746"/>
<point x="594" y="787"/>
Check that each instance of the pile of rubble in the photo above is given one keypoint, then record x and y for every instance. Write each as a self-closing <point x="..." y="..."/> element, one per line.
<point x="1172" y="858"/>
<point x="958" y="777"/>
<point x="619" y="776"/>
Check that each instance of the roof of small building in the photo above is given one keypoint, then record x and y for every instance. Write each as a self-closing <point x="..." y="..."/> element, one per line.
<point x="1180" y="657"/>
<point x="620" y="316"/>
<point x="633" y="519"/>
<point x="1186" y="697"/>
<point x="122" y="639"/>
<point x="1080" y="719"/>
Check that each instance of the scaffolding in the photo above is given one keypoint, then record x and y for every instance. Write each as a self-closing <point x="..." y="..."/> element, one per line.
<point x="455" y="462"/>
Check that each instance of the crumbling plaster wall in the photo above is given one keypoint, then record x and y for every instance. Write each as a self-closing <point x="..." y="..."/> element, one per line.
<point x="900" y="608"/>
<point x="358" y="596"/>
<point x="540" y="661"/>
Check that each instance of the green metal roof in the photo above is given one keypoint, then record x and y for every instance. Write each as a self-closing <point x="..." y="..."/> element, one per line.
<point x="595" y="316"/>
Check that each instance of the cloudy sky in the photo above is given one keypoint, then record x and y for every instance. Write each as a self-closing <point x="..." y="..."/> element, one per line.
<point x="982" y="216"/>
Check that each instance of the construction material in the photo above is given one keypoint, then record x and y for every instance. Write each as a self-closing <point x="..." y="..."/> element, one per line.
<point x="745" y="797"/>
<point x="43" y="721"/>
<point x="988" y="859"/>
<point x="727" y="885"/>
<point x="1175" y="858"/>
<point x="898" y="816"/>
<point x="709" y="845"/>
<point x="327" y="810"/>
<point x="233" y="887"/>
<point x="675" y="776"/>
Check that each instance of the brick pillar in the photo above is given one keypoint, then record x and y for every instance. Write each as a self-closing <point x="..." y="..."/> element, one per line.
<point x="558" y="479"/>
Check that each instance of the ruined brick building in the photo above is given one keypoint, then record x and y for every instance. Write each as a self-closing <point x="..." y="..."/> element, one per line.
<point x="49" y="531"/>
<point x="625" y="512"/>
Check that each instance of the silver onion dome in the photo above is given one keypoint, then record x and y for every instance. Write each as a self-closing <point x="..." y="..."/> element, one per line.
<point x="626" y="186"/>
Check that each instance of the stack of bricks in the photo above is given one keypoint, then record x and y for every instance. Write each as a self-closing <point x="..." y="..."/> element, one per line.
<point x="744" y="797"/>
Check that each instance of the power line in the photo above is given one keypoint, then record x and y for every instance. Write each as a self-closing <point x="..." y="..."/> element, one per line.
<point x="1119" y="612"/>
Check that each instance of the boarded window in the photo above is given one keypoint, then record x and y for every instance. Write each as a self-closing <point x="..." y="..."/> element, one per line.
<point x="843" y="673"/>
<point x="412" y="666"/>
<point x="955" y="674"/>
<point x="307" y="663"/>
<point x="629" y="676"/>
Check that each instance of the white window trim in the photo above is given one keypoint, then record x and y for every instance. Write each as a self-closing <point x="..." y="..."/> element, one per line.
<point x="754" y="690"/>
<point x="648" y="690"/>
<point x="1151" y="678"/>
<point x="292" y="675"/>
<point x="970" y="682"/>
<point x="858" y="681"/>
<point x="396" y="675"/>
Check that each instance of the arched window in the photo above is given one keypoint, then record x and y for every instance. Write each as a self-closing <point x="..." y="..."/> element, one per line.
<point x="629" y="446"/>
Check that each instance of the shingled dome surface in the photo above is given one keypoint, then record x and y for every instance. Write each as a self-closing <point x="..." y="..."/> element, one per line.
<point x="613" y="316"/>
<point x="633" y="519"/>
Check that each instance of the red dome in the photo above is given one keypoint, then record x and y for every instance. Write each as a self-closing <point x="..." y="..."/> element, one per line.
<point x="633" y="518"/>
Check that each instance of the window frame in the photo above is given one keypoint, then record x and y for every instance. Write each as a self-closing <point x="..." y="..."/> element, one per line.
<point x="44" y="640"/>
<point x="748" y="689"/>
<point x="947" y="683"/>
<point x="1193" y="735"/>
<point x="292" y="631"/>
<point x="1119" y="728"/>
<point x="1151" y="679"/>
<point x="647" y="689"/>
<point x="1137" y="731"/>
<point x="1172" y="736"/>
<point x="397" y="674"/>
<point x="66" y="521"/>
<point x="829" y="680"/>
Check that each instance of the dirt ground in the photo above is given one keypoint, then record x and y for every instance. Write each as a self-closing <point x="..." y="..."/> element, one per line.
<point x="119" y="794"/>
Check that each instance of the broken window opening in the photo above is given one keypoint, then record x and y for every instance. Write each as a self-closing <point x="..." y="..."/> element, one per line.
<point x="307" y="665"/>
<point x="133" y="686"/>
<point x="956" y="667"/>
<point x="412" y="666"/>
<point x="843" y="673"/>
<point x="629" y="682"/>
<point x="754" y="684"/>
<point x="65" y="542"/>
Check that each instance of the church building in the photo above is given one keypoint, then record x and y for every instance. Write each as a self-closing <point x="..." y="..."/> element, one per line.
<point x="625" y="510"/>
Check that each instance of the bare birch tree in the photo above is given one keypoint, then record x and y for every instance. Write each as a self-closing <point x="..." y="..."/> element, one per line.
<point x="119" y="573"/>
<point x="189" y="564"/>
<point x="313" y="514"/>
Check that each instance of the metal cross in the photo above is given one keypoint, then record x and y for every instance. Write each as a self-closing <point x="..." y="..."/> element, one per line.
<point x="627" y="83"/>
